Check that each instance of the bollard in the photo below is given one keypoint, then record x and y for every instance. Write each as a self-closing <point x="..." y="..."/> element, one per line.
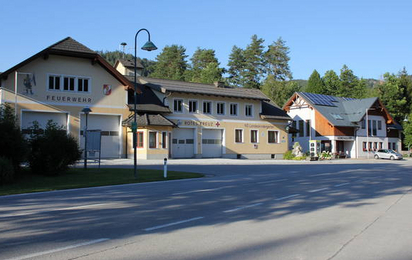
<point x="165" y="169"/>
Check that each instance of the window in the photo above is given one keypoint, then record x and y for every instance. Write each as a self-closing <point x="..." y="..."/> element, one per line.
<point x="207" y="107"/>
<point x="233" y="109"/>
<point x="389" y="146"/>
<point x="307" y="127"/>
<point x="220" y="108"/>
<point x="54" y="82"/>
<point x="370" y="146"/>
<point x="164" y="140"/>
<point x="248" y="110"/>
<point x="178" y="106"/>
<point x="294" y="126"/>
<point x="375" y="146"/>
<point x="254" y="136"/>
<point x="68" y="83"/>
<point x="238" y="135"/>
<point x="369" y="128"/>
<point x="363" y="124"/>
<point x="273" y="137"/>
<point x="152" y="139"/>
<point x="380" y="145"/>
<point x="192" y="106"/>
<point x="379" y="125"/>
<point x="82" y="85"/>
<point x="139" y="139"/>
<point x="374" y="132"/>
<point x="364" y="146"/>
<point x="301" y="128"/>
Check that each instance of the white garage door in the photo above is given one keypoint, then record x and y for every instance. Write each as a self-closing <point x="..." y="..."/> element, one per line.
<point x="28" y="117"/>
<point x="183" y="143"/>
<point x="110" y="127"/>
<point x="212" y="143"/>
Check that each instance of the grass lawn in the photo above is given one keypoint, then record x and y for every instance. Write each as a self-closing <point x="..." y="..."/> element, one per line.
<point x="80" y="178"/>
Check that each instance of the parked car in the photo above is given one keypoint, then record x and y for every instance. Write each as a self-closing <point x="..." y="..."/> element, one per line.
<point x="388" y="154"/>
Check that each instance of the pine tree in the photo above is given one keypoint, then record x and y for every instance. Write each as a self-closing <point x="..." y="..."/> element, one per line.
<point x="171" y="63"/>
<point x="391" y="93"/>
<point x="236" y="67"/>
<point x="277" y="60"/>
<point x="254" y="68"/>
<point x="315" y="84"/>
<point x="279" y="91"/>
<point x="204" y="67"/>
<point x="332" y="83"/>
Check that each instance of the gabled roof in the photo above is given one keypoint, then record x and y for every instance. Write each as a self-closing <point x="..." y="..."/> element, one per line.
<point x="341" y="111"/>
<point x="148" y="120"/>
<point x="72" y="48"/>
<point x="166" y="85"/>
<point x="129" y="63"/>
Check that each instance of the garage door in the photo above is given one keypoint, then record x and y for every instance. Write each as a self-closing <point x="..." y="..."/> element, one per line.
<point x="211" y="143"/>
<point x="110" y="127"/>
<point x="28" y="117"/>
<point x="183" y="143"/>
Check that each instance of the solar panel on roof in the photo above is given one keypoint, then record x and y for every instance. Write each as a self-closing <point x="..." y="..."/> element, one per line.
<point x="322" y="100"/>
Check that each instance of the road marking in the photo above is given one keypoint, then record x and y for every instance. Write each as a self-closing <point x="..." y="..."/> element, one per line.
<point x="203" y="190"/>
<point x="60" y="249"/>
<point x="342" y="184"/>
<point x="312" y="191"/>
<point x="264" y="182"/>
<point x="244" y="207"/>
<point x="172" y="224"/>
<point x="83" y="206"/>
<point x="32" y="212"/>
<point x="288" y="197"/>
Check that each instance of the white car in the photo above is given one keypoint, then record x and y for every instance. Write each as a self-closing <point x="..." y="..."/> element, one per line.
<point x="388" y="154"/>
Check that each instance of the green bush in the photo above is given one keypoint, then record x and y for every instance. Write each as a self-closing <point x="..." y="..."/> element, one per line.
<point x="288" y="155"/>
<point x="13" y="146"/>
<point x="52" y="151"/>
<point x="6" y="171"/>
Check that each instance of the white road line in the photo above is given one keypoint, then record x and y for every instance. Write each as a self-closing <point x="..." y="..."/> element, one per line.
<point x="244" y="207"/>
<point x="83" y="206"/>
<point x="32" y="212"/>
<point x="264" y="182"/>
<point x="311" y="191"/>
<point x="342" y="184"/>
<point x="203" y="190"/>
<point x="172" y="224"/>
<point x="288" y="197"/>
<point x="60" y="249"/>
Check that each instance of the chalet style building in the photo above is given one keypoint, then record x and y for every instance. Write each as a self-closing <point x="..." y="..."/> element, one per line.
<point x="175" y="119"/>
<point x="354" y="128"/>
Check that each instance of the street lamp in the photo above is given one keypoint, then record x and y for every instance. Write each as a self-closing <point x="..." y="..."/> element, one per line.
<point x="148" y="46"/>
<point x="86" y="111"/>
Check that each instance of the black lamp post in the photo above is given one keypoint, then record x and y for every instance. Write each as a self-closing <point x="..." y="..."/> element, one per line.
<point x="86" y="111"/>
<point x="148" y="46"/>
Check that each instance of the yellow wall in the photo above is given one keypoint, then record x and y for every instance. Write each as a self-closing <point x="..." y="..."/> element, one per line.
<point x="229" y="123"/>
<point x="44" y="99"/>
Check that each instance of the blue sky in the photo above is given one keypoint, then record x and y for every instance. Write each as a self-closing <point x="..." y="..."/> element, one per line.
<point x="371" y="37"/>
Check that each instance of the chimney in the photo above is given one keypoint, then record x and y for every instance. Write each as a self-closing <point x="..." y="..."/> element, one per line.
<point x="219" y="84"/>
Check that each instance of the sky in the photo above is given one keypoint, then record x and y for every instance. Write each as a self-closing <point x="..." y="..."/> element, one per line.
<point x="370" y="37"/>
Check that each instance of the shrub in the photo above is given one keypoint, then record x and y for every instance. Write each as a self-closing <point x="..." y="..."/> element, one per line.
<point x="13" y="146"/>
<point x="6" y="171"/>
<point x="288" y="155"/>
<point x="52" y="151"/>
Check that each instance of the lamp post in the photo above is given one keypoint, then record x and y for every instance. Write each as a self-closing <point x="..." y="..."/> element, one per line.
<point x="86" y="111"/>
<point x="148" y="46"/>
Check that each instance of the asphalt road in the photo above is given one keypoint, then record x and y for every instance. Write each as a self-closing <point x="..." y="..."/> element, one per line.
<point x="255" y="210"/>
